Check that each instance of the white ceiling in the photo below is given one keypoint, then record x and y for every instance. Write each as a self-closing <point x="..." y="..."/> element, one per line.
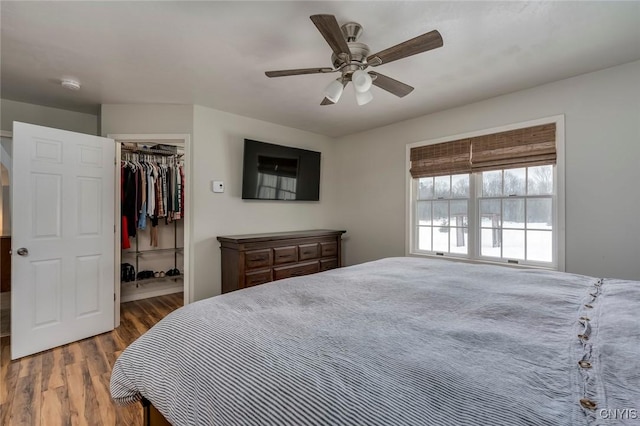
<point x="215" y="54"/>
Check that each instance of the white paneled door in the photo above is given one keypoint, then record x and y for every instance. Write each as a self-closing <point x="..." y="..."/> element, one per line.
<point x="62" y="259"/>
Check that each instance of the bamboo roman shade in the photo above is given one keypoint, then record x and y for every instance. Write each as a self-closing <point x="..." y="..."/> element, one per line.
<point x="441" y="159"/>
<point x="530" y="146"/>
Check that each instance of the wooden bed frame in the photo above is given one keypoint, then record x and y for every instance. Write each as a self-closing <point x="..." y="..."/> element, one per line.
<point x="151" y="416"/>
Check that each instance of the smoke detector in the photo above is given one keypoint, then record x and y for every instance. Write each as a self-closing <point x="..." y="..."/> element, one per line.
<point x="70" y="83"/>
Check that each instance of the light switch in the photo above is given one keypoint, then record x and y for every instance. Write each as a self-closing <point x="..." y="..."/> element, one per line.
<point x="218" y="186"/>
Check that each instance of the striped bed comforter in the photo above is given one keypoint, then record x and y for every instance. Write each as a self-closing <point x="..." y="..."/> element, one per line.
<point x="399" y="341"/>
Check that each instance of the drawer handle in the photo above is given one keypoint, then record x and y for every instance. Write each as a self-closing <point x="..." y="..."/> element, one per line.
<point x="263" y="257"/>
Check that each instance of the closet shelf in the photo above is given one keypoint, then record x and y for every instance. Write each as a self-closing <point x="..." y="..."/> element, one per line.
<point x="155" y="151"/>
<point x="155" y="280"/>
<point x="152" y="251"/>
<point x="165" y="278"/>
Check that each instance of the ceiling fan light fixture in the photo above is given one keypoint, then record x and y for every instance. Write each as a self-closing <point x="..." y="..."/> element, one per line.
<point x="363" y="98"/>
<point x="361" y="81"/>
<point x="334" y="90"/>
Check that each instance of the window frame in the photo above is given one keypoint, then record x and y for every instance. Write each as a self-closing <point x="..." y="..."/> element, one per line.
<point x="474" y="229"/>
<point x="448" y="200"/>
<point x="524" y="197"/>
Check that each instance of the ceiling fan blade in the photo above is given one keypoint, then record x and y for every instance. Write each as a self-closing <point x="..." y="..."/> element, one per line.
<point x="330" y="30"/>
<point x="422" y="43"/>
<point x="284" y="73"/>
<point x="390" y="85"/>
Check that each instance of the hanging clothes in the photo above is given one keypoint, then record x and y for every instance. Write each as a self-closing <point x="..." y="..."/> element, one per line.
<point x="152" y="187"/>
<point x="129" y="188"/>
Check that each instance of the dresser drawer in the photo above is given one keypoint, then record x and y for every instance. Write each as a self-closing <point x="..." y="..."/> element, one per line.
<point x="285" y="255"/>
<point x="296" y="270"/>
<point x="257" y="258"/>
<point x="257" y="277"/>
<point x="308" y="251"/>
<point x="326" y="264"/>
<point x="328" y="248"/>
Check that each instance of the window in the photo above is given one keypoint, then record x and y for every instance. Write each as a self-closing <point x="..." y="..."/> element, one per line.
<point x="516" y="214"/>
<point x="442" y="211"/>
<point x="502" y="210"/>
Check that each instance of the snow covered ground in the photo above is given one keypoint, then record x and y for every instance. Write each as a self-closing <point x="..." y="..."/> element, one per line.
<point x="536" y="240"/>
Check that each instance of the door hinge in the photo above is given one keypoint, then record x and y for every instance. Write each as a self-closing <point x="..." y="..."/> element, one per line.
<point x="114" y="297"/>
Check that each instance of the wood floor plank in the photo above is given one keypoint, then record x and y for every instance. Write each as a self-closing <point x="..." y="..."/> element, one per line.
<point x="103" y="398"/>
<point x="25" y="409"/>
<point x="77" y="391"/>
<point x="96" y="360"/>
<point x="53" y="369"/>
<point x="31" y="365"/>
<point x="143" y="319"/>
<point x="5" y="410"/>
<point x="8" y="374"/>
<point x="72" y="353"/>
<point x="129" y="415"/>
<point x="55" y="407"/>
<point x="134" y="323"/>
<point x="124" y="334"/>
<point x="155" y="311"/>
<point x="69" y="385"/>
<point x="107" y="346"/>
<point x="9" y="378"/>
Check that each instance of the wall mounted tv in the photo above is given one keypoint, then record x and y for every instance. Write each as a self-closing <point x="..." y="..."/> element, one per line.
<point x="276" y="172"/>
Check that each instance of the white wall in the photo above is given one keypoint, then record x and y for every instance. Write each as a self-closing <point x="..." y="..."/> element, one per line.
<point x="217" y="149"/>
<point x="146" y="119"/>
<point x="602" y="113"/>
<point x="218" y="153"/>
<point x="11" y="111"/>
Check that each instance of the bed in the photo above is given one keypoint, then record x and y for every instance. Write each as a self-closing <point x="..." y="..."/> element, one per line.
<point x="398" y="341"/>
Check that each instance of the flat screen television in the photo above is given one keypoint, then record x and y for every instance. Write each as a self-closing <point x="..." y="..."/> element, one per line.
<point x="276" y="172"/>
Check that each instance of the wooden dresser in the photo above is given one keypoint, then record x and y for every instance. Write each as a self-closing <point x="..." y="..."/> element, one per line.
<point x="249" y="260"/>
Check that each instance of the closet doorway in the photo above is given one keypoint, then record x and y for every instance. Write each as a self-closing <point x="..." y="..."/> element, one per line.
<point x="5" y="232"/>
<point x="153" y="212"/>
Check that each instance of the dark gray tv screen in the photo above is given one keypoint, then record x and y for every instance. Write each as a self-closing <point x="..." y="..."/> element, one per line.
<point x="276" y="172"/>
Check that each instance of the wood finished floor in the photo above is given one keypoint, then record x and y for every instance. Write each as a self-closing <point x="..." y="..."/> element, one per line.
<point x="69" y="385"/>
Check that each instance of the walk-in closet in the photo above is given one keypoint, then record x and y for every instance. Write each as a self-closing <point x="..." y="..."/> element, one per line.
<point x="152" y="219"/>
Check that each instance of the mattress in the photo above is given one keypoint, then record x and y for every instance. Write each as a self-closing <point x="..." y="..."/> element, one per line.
<point x="398" y="341"/>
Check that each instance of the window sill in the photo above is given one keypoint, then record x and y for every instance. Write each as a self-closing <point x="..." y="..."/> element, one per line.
<point x="484" y="261"/>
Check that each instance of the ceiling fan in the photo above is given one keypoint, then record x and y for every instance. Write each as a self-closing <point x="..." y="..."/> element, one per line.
<point x="351" y="59"/>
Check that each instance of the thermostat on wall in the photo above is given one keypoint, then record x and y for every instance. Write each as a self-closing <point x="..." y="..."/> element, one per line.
<point x="217" y="186"/>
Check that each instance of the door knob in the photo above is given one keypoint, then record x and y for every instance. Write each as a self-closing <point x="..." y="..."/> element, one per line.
<point x="22" y="251"/>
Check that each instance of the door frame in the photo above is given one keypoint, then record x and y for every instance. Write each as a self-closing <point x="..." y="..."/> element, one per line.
<point x="6" y="299"/>
<point x="166" y="138"/>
